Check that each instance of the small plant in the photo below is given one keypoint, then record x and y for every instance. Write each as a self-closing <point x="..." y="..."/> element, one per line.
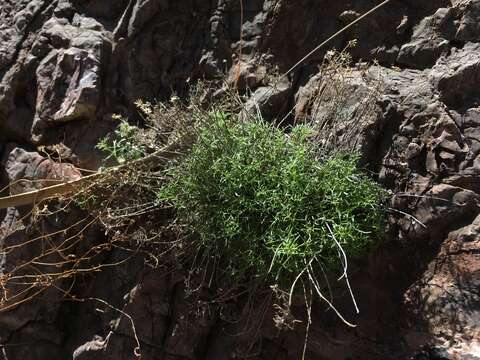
<point x="124" y="145"/>
<point x="263" y="203"/>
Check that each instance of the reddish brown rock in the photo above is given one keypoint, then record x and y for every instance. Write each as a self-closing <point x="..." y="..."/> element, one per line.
<point x="28" y="171"/>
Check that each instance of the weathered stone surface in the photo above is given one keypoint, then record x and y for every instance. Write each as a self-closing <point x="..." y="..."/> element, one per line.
<point x="67" y="65"/>
<point x="18" y="67"/>
<point x="456" y="77"/>
<point x="270" y="101"/>
<point x="69" y="78"/>
<point x="16" y="16"/>
<point x="344" y="107"/>
<point x="469" y="24"/>
<point x="447" y="294"/>
<point x="82" y="87"/>
<point x="29" y="171"/>
<point x="429" y="40"/>
<point x="77" y="73"/>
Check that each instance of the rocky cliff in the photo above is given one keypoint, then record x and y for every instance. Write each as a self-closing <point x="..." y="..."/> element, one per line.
<point x="67" y="65"/>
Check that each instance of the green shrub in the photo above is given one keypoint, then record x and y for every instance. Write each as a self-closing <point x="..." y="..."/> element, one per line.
<point x="263" y="203"/>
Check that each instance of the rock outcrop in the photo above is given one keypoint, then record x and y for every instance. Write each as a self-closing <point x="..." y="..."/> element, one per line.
<point x="67" y="65"/>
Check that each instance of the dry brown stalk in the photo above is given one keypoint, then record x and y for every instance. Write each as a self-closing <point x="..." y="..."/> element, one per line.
<point x="34" y="197"/>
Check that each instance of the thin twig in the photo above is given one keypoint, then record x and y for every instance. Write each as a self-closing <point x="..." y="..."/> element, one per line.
<point x="345" y="28"/>
<point x="345" y="266"/>
<point x="409" y="216"/>
<point x="49" y="192"/>
<point x="330" y="304"/>
<point x="137" y="350"/>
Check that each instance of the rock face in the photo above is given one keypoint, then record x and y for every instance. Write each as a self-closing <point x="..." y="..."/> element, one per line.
<point x="67" y="65"/>
<point x="69" y="77"/>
